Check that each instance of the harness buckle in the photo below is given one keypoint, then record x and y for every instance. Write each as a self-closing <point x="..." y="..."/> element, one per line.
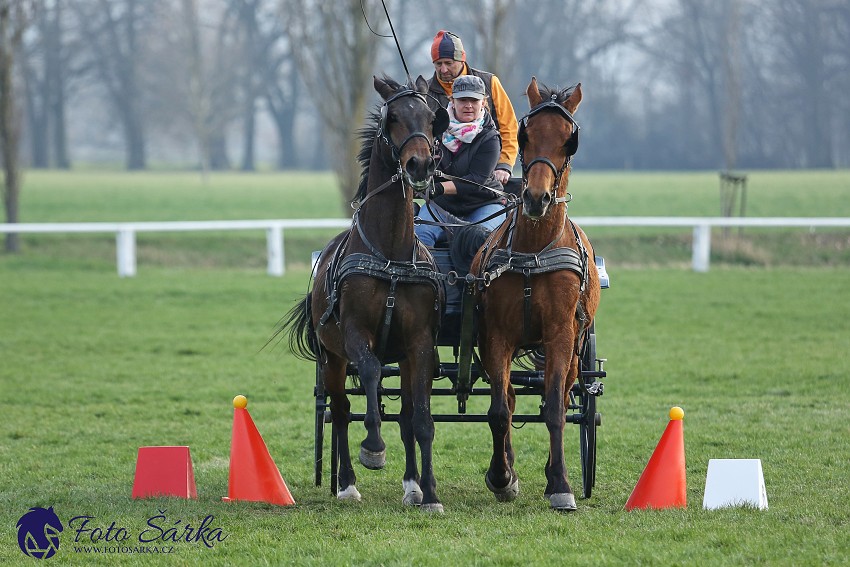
<point x="390" y="301"/>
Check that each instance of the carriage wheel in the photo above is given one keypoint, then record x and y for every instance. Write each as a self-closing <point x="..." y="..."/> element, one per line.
<point x="587" y="427"/>
<point x="321" y="403"/>
<point x="587" y="443"/>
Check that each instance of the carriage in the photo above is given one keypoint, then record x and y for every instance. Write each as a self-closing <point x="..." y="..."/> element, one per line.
<point x="521" y="320"/>
<point x="464" y="376"/>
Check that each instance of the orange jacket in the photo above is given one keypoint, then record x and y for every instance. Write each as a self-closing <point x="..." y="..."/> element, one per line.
<point x="505" y="116"/>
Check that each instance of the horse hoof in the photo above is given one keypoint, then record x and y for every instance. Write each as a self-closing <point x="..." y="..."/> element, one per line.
<point x="350" y="493"/>
<point x="412" y="493"/>
<point x="563" y="502"/>
<point x="373" y="460"/>
<point x="507" y="493"/>
<point x="434" y="507"/>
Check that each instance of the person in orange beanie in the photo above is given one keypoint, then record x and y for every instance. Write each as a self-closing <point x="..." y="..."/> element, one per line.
<point x="449" y="58"/>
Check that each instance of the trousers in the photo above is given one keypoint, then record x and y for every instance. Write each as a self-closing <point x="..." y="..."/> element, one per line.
<point x="430" y="235"/>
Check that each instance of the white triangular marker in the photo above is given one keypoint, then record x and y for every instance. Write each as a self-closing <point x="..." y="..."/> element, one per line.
<point x="734" y="482"/>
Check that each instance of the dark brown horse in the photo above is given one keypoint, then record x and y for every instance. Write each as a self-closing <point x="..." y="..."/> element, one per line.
<point x="375" y="298"/>
<point x="541" y="291"/>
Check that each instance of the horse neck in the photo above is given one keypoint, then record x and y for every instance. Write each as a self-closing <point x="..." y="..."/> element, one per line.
<point x="387" y="219"/>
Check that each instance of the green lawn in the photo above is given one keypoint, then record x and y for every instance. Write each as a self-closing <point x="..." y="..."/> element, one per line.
<point x="93" y="367"/>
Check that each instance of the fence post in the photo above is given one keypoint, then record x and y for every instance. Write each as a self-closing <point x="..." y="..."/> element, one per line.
<point x="701" y="247"/>
<point x="125" y="248"/>
<point x="274" y="246"/>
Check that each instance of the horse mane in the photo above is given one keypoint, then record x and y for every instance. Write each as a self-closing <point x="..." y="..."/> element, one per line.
<point x="367" y="135"/>
<point x="560" y="95"/>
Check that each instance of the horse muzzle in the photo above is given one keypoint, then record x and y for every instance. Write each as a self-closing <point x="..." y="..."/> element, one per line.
<point x="535" y="207"/>
<point x="418" y="172"/>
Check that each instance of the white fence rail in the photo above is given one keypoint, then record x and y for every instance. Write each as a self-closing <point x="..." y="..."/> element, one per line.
<point x="125" y="232"/>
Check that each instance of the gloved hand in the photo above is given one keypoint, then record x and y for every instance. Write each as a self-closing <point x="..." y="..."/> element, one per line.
<point x="437" y="189"/>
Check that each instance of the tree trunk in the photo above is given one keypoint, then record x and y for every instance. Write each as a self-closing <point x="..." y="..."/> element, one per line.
<point x="56" y="88"/>
<point x="9" y="128"/>
<point x="249" y="129"/>
<point x="283" y="110"/>
<point x="135" y="139"/>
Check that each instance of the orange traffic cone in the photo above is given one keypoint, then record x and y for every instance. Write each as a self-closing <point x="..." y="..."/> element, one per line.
<point x="253" y="474"/>
<point x="662" y="483"/>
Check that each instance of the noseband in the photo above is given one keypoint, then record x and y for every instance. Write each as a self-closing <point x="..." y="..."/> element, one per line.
<point x="571" y="145"/>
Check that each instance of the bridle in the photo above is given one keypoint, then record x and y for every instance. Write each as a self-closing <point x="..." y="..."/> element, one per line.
<point x="441" y="117"/>
<point x="570" y="146"/>
<point x="383" y="135"/>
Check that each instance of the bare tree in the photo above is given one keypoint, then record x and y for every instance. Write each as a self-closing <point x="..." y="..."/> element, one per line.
<point x="113" y="28"/>
<point x="336" y="54"/>
<point x="14" y="18"/>
<point x="269" y="74"/>
<point x="46" y="65"/>
<point x="808" y="38"/>
<point x="198" y="99"/>
<point x="493" y="21"/>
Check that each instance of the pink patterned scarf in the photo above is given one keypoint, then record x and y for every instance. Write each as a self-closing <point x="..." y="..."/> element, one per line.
<point x="461" y="132"/>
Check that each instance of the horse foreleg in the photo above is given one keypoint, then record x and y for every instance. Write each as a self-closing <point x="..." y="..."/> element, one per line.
<point x="333" y="376"/>
<point x="501" y="478"/>
<point x="410" y="482"/>
<point x="558" y="489"/>
<point x="421" y="362"/>
<point x="373" y="451"/>
<point x="509" y="446"/>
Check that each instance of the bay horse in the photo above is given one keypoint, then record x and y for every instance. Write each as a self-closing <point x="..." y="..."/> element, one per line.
<point x="541" y="290"/>
<point x="375" y="298"/>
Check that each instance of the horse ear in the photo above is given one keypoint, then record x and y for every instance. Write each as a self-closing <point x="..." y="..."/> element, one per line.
<point x="533" y="93"/>
<point x="574" y="100"/>
<point x="421" y="84"/>
<point x="383" y="88"/>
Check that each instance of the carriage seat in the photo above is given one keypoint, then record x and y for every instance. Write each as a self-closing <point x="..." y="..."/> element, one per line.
<point x="604" y="281"/>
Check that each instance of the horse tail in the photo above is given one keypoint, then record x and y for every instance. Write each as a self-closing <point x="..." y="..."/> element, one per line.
<point x="298" y="324"/>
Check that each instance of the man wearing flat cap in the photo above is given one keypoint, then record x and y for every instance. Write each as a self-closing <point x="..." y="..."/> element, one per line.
<point x="449" y="60"/>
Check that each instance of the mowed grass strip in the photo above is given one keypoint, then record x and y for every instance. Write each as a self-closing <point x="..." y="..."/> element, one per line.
<point x="94" y="367"/>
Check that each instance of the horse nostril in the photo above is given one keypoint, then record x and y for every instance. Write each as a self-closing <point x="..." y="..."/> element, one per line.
<point x="547" y="198"/>
<point x="414" y="166"/>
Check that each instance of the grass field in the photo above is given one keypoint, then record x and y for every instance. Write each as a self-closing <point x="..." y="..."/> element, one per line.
<point x="93" y="367"/>
<point x="112" y="196"/>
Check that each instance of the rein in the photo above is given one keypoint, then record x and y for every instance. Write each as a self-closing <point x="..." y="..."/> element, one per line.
<point x="511" y="203"/>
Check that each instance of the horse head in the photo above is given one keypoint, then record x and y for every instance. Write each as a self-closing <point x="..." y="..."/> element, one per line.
<point x="548" y="136"/>
<point x="408" y="127"/>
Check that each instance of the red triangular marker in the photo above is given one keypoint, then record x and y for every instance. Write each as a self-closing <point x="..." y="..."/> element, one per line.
<point x="164" y="471"/>
<point x="663" y="482"/>
<point x="253" y="474"/>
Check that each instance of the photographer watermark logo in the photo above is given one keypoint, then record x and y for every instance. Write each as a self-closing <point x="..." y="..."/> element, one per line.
<point x="39" y="529"/>
<point x="38" y="533"/>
